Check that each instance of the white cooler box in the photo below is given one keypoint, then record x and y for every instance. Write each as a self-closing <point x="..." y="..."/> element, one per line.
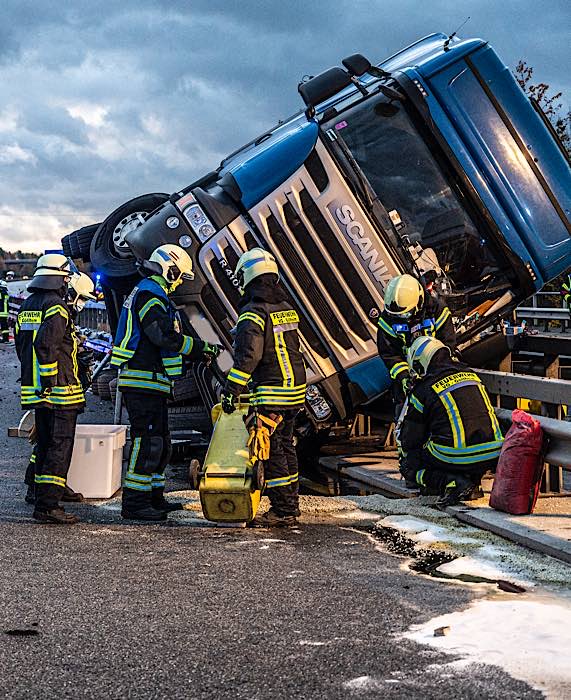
<point x="96" y="462"/>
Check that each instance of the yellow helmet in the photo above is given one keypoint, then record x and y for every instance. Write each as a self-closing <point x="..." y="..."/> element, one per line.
<point x="80" y="287"/>
<point x="404" y="296"/>
<point x="171" y="262"/>
<point x="254" y="263"/>
<point x="421" y="353"/>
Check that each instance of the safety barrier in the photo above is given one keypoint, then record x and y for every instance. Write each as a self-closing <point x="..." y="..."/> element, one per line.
<point x="544" y="315"/>
<point x="553" y="394"/>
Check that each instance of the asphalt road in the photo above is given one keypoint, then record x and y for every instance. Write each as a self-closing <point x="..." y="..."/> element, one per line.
<point x="110" y="610"/>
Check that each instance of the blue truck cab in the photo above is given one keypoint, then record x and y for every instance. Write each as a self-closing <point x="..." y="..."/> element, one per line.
<point x="433" y="160"/>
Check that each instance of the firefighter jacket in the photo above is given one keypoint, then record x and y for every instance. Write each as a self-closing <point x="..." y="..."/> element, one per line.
<point x="449" y="414"/>
<point x="566" y="291"/>
<point x="46" y="344"/>
<point x="149" y="346"/>
<point x="4" y="300"/>
<point x="394" y="337"/>
<point x="267" y="355"/>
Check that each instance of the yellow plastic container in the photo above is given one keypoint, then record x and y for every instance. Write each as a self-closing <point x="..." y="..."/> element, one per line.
<point x="229" y="489"/>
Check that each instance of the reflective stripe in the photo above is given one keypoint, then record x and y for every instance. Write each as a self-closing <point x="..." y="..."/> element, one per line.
<point x="33" y="458"/>
<point x="282" y="481"/>
<point x="48" y="370"/>
<point x="143" y="384"/>
<point x="134" y="453"/>
<point x="460" y="457"/>
<point x="456" y="424"/>
<point x="397" y="369"/>
<point x="385" y="326"/>
<point x="441" y="320"/>
<point x="49" y="479"/>
<point x="493" y="418"/>
<point x="416" y="403"/>
<point x="420" y="477"/>
<point x="283" y="359"/>
<point x="135" y="486"/>
<point x="186" y="346"/>
<point x="158" y="480"/>
<point x="57" y="309"/>
<point x="251" y="316"/>
<point x="238" y="377"/>
<point x="284" y="396"/>
<point x="148" y="306"/>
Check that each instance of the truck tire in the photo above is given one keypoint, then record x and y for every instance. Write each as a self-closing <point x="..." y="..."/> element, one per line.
<point x="67" y="245"/>
<point x="103" y="381"/>
<point x="84" y="237"/>
<point x="109" y="252"/>
<point x="190" y="417"/>
<point x="185" y="388"/>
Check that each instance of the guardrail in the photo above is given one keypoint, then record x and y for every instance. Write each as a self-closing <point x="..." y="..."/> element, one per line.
<point x="553" y="395"/>
<point x="545" y="315"/>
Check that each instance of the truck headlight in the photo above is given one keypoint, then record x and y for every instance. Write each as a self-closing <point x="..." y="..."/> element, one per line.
<point x="318" y="405"/>
<point x="194" y="214"/>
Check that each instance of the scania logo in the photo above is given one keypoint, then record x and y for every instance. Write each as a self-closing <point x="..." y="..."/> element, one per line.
<point x="228" y="271"/>
<point x="355" y="232"/>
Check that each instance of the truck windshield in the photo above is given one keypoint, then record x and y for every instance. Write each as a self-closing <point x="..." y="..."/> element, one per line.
<point x="425" y="207"/>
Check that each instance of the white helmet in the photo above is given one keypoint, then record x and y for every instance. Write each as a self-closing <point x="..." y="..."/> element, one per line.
<point x="254" y="263"/>
<point x="80" y="288"/>
<point x="53" y="265"/>
<point x="171" y="262"/>
<point x="421" y="353"/>
<point x="10" y="275"/>
<point x="404" y="296"/>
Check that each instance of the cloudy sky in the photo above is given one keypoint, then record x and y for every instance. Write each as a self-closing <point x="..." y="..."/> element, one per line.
<point x="102" y="100"/>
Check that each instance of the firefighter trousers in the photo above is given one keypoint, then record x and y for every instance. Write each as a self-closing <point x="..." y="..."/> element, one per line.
<point x="281" y="470"/>
<point x="55" y="431"/>
<point x="4" y="330"/>
<point x="144" y="481"/>
<point x="423" y="468"/>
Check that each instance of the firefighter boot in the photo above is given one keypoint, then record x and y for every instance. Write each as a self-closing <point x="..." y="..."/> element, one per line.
<point x="55" y="516"/>
<point x="71" y="496"/>
<point x="273" y="519"/>
<point x="159" y="502"/>
<point x="459" y="488"/>
<point x="148" y="514"/>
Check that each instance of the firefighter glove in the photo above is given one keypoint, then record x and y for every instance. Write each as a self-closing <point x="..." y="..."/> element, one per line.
<point x="227" y="401"/>
<point x="211" y="350"/>
<point x="259" y="444"/>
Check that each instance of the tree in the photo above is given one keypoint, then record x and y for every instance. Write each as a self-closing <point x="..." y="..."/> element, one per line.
<point x="550" y="104"/>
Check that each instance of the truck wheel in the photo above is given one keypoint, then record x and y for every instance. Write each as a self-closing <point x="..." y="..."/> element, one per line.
<point x="84" y="237"/>
<point x="109" y="252"/>
<point x="258" y="479"/>
<point x="185" y="388"/>
<point x="190" y="418"/>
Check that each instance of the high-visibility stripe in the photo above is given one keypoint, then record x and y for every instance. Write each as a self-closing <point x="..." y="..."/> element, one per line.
<point x="49" y="479"/>
<point x="469" y="449"/>
<point x="57" y="309"/>
<point x="149" y="305"/>
<point x="135" y="486"/>
<point x="134" y="453"/>
<point x="238" y="377"/>
<point x="158" y="480"/>
<point x="251" y="316"/>
<point x="48" y="370"/>
<point x="461" y="458"/>
<point x="441" y="320"/>
<point x="398" y="368"/>
<point x="420" y="477"/>
<point x="143" y="384"/>
<point x="283" y="359"/>
<point x="455" y="419"/>
<point x="282" y="481"/>
<point x="416" y="403"/>
<point x="187" y="344"/>
<point x="385" y="326"/>
<point x="493" y="418"/>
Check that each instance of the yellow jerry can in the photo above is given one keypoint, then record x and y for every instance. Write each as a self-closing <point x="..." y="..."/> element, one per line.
<point x="230" y="485"/>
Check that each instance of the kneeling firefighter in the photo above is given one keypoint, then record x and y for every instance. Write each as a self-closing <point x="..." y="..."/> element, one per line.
<point x="450" y="435"/>
<point x="268" y="359"/>
<point x="79" y="290"/>
<point x="47" y="349"/>
<point x="409" y="312"/>
<point x="149" y="349"/>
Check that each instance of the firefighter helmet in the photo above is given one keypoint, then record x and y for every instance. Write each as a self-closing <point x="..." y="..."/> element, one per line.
<point x="80" y="288"/>
<point x="171" y="262"/>
<point x="51" y="273"/>
<point x="253" y="263"/>
<point x="404" y="296"/>
<point x="421" y="353"/>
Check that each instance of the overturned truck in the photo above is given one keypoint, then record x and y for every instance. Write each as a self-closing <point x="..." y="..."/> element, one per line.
<point x="432" y="161"/>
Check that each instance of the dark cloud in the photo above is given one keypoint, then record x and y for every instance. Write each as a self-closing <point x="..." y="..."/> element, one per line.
<point x="101" y="101"/>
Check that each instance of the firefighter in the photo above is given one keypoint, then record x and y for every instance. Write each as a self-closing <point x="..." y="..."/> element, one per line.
<point x="566" y="292"/>
<point x="47" y="350"/>
<point x="80" y="289"/>
<point x="268" y="364"/>
<point x="409" y="312"/>
<point x="4" y="312"/>
<point x="149" y="349"/>
<point x="450" y="434"/>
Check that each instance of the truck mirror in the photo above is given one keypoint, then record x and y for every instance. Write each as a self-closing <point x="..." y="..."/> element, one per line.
<point x="323" y="86"/>
<point x="356" y="64"/>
